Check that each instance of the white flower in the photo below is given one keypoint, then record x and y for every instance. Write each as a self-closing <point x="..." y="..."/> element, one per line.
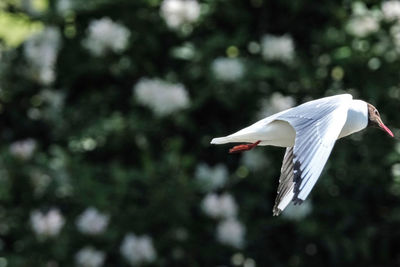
<point x="228" y="69"/>
<point x="395" y="33"/>
<point x="89" y="257"/>
<point x="362" y="26"/>
<point x="391" y="10"/>
<point x="279" y="48"/>
<point x="54" y="99"/>
<point x="104" y="35"/>
<point x="92" y="222"/>
<point x="48" y="224"/>
<point x="64" y="7"/>
<point x="297" y="212"/>
<point x="137" y="250"/>
<point x="33" y="7"/>
<point x="228" y="207"/>
<point x="179" y="12"/>
<point x="396" y="169"/>
<point x="276" y="103"/>
<point x="41" y="51"/>
<point x="254" y="159"/>
<point x="210" y="205"/>
<point x="40" y="181"/>
<point x="162" y="97"/>
<point x="359" y="8"/>
<point x="231" y="232"/>
<point x="211" y="178"/>
<point x="223" y="206"/>
<point x="23" y="149"/>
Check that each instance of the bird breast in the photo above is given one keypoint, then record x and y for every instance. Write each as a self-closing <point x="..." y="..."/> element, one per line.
<point x="357" y="118"/>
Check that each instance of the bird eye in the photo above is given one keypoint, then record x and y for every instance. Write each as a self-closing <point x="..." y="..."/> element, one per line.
<point x="376" y="112"/>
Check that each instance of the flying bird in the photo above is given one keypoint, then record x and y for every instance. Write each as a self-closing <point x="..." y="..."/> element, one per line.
<point x="309" y="132"/>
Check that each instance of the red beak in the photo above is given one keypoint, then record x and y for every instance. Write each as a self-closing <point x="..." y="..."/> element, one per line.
<point x="383" y="126"/>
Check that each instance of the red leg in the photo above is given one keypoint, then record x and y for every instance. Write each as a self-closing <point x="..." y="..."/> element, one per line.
<point x="241" y="148"/>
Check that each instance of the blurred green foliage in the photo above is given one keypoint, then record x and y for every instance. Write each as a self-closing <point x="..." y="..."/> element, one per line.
<point x="102" y="148"/>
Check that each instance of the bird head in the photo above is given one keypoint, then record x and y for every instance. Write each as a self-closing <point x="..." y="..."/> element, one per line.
<point x="374" y="120"/>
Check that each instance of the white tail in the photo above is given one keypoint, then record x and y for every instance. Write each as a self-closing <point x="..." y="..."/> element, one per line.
<point x="237" y="137"/>
<point x="220" y="140"/>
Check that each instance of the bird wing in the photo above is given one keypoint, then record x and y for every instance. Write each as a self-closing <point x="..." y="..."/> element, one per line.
<point x="317" y="125"/>
<point x="286" y="184"/>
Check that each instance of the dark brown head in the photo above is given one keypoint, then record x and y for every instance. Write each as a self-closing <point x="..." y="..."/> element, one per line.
<point x="374" y="119"/>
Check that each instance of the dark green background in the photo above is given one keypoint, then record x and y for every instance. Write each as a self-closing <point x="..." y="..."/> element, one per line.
<point x="149" y="188"/>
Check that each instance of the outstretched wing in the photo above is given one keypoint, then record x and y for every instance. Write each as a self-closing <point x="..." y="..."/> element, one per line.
<point x="317" y="125"/>
<point x="286" y="184"/>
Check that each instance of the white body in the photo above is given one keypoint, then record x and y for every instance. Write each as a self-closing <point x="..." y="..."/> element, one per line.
<point x="308" y="132"/>
<point x="281" y="133"/>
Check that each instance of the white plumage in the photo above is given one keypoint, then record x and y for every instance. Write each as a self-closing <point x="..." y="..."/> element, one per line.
<point x="308" y="132"/>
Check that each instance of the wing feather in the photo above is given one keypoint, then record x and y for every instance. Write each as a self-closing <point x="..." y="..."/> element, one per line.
<point x="317" y="129"/>
<point x="286" y="183"/>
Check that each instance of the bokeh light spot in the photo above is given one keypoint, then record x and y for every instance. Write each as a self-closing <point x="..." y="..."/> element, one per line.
<point x="374" y="63"/>
<point x="237" y="259"/>
<point x="254" y="47"/>
<point x="249" y="263"/>
<point x="337" y="73"/>
<point x="232" y="51"/>
<point x="3" y="262"/>
<point x="242" y="172"/>
<point x="311" y="249"/>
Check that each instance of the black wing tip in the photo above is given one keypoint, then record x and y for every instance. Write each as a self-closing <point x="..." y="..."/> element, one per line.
<point x="297" y="201"/>
<point x="297" y="178"/>
<point x="276" y="211"/>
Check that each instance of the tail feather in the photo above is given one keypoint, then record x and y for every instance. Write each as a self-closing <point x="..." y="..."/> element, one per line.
<point x="236" y="138"/>
<point x="220" y="140"/>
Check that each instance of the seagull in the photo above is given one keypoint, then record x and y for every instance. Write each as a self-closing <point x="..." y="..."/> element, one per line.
<point x="309" y="132"/>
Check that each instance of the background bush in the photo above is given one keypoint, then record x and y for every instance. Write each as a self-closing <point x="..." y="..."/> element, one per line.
<point x="107" y="109"/>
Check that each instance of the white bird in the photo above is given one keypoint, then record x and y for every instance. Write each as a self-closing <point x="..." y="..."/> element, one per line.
<point x="309" y="132"/>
